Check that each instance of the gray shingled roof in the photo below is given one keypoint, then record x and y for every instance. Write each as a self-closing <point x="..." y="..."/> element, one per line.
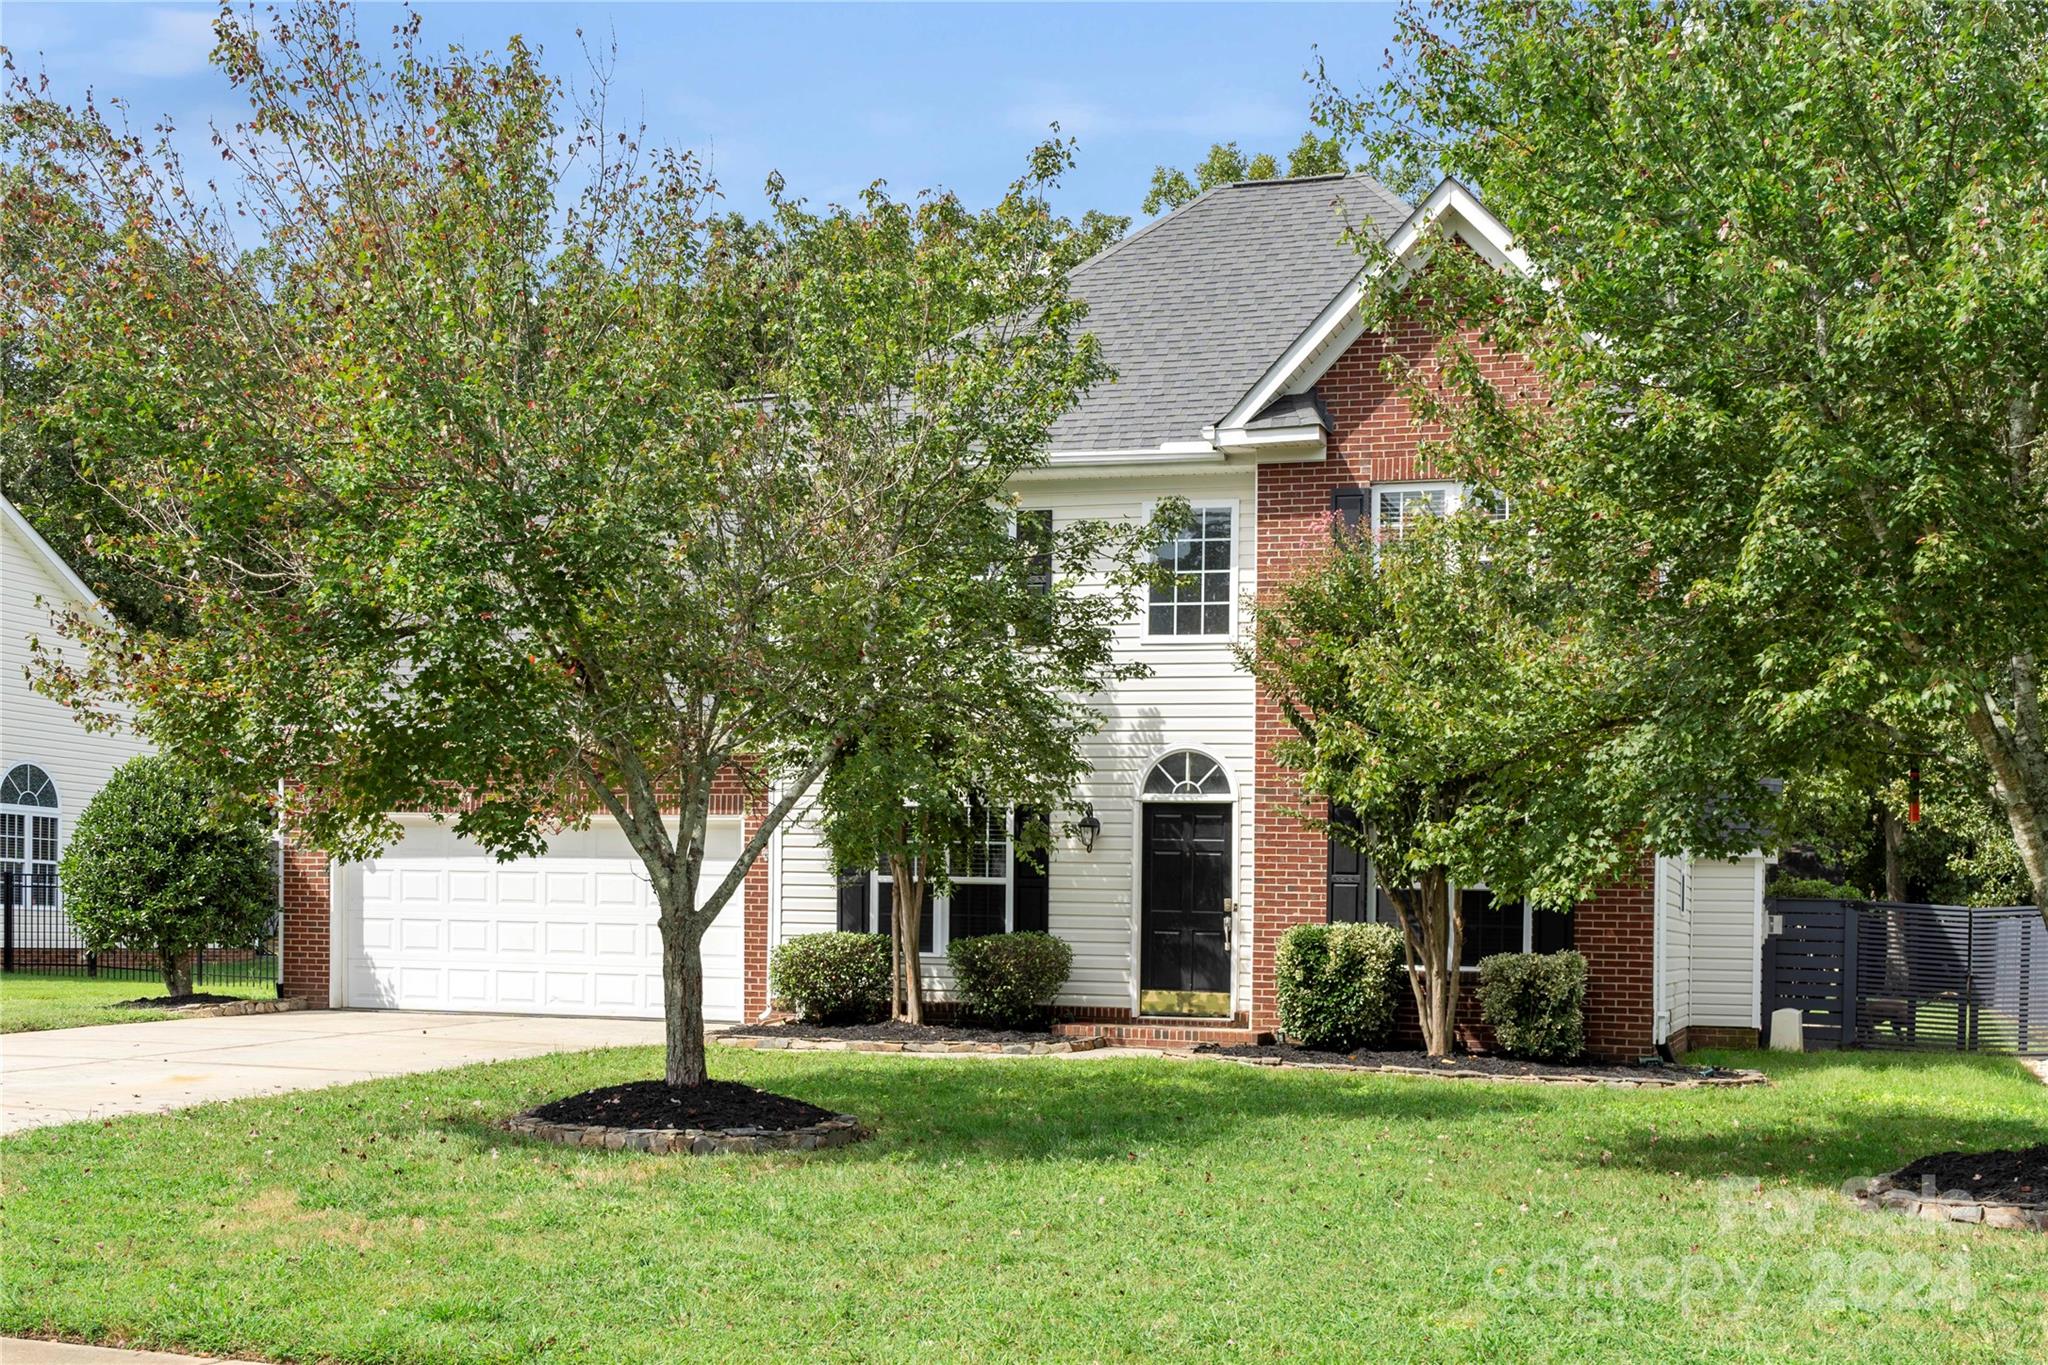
<point x="1194" y="307"/>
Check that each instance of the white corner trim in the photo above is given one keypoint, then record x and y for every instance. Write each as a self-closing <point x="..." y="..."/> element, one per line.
<point x="1660" y="1010"/>
<point x="51" y="560"/>
<point x="1450" y="206"/>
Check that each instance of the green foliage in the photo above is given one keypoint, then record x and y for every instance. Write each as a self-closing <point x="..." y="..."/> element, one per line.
<point x="1227" y="164"/>
<point x="1789" y="301"/>
<point x="488" y="410"/>
<point x="832" y="978"/>
<point x="161" y="862"/>
<point x="1535" y="1003"/>
<point x="1009" y="980"/>
<point x="1439" y="686"/>
<point x="1812" y="889"/>
<point x="1336" y="984"/>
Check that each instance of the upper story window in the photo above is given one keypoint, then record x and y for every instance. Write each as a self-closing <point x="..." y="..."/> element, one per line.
<point x="28" y="833"/>
<point x="1398" y="506"/>
<point x="1034" y="536"/>
<point x="1193" y="594"/>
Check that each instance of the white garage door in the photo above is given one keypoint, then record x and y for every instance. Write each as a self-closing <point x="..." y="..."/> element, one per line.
<point x="437" y="923"/>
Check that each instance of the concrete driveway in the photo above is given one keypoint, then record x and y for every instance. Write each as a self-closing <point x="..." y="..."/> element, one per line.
<point x="63" y="1075"/>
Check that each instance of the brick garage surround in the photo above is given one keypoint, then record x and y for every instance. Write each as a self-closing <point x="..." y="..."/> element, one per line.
<point x="1376" y="439"/>
<point x="308" y="928"/>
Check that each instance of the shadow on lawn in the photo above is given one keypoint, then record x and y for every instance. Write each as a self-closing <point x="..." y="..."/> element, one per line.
<point x="1094" y="1110"/>
<point x="1856" y="1121"/>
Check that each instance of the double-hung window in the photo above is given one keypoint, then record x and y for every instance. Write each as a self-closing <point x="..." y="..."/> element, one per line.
<point x="1490" y="927"/>
<point x="28" y="833"/>
<point x="1195" y="584"/>
<point x="1396" y="507"/>
<point x="982" y="869"/>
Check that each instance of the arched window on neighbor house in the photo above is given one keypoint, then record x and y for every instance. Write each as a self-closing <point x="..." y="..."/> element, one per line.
<point x="28" y="832"/>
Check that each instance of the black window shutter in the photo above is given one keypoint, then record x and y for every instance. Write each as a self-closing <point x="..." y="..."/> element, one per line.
<point x="885" y="904"/>
<point x="1347" y="879"/>
<point x="1032" y="907"/>
<point x="853" y="900"/>
<point x="1550" y="931"/>
<point x="1350" y="506"/>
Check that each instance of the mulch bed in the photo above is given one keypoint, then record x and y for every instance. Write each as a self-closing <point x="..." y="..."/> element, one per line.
<point x="2009" y="1176"/>
<point x="654" y="1104"/>
<point x="173" y="1002"/>
<point x="1479" y="1065"/>
<point x="891" y="1031"/>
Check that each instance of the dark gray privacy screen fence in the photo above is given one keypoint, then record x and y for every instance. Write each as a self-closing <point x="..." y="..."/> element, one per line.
<point x="37" y="937"/>
<point x="1892" y="975"/>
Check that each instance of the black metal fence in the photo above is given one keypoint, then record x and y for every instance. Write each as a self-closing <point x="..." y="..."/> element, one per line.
<point x="38" y="938"/>
<point x="1890" y="975"/>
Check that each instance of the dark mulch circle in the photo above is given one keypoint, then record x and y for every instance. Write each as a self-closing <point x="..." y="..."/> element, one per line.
<point x="171" y="1002"/>
<point x="2007" y="1176"/>
<point x="1471" y="1063"/>
<point x="654" y="1104"/>
<point x="893" y="1031"/>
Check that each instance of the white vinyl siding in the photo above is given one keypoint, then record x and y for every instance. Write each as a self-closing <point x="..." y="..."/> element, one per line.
<point x="1674" y="908"/>
<point x="34" y="729"/>
<point x="1197" y="697"/>
<point x="1725" y="951"/>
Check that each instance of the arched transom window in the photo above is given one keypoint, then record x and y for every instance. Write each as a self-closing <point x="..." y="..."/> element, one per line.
<point x="28" y="832"/>
<point x="1185" y="775"/>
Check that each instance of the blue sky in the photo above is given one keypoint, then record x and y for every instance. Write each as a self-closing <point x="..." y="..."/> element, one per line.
<point x="832" y="96"/>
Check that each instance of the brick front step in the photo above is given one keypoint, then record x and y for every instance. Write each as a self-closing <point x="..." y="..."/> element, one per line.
<point x="1164" y="1033"/>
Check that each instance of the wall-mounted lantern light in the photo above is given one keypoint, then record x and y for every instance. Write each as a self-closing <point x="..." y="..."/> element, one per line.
<point x="1089" y="827"/>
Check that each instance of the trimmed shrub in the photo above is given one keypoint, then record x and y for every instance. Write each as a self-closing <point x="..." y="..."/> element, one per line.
<point x="1812" y="889"/>
<point x="1535" y="1003"/>
<point x="161" y="863"/>
<point x="832" y="978"/>
<point x="1009" y="980"/>
<point x="1336" y="984"/>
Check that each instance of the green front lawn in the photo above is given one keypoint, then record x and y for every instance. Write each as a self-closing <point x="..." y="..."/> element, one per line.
<point x="1127" y="1209"/>
<point x="33" y="1000"/>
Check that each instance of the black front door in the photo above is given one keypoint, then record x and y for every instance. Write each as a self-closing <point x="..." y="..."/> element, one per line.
<point x="1185" y="960"/>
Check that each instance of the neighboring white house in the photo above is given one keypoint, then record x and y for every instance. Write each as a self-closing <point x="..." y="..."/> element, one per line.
<point x="50" y="765"/>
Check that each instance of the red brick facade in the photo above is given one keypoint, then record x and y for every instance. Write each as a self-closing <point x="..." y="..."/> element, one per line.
<point x="305" y="947"/>
<point x="1376" y="439"/>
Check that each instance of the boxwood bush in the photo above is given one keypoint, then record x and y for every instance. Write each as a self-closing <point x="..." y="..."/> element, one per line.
<point x="1336" y="984"/>
<point x="1535" y="1003"/>
<point x="1009" y="980"/>
<point x="832" y="978"/>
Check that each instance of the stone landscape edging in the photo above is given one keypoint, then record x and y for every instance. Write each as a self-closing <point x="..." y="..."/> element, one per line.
<point x="1885" y="1195"/>
<point x="228" y="1009"/>
<point x="839" y="1130"/>
<point x="1740" y="1078"/>
<point x="771" y="1044"/>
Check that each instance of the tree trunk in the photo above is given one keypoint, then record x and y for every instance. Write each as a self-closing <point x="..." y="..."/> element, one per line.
<point x="908" y="921"/>
<point x="1428" y="932"/>
<point x="1894" y="866"/>
<point x="177" y="972"/>
<point x="2012" y="741"/>
<point x="682" y="998"/>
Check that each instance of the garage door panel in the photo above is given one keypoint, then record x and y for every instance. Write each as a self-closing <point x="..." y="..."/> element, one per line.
<point x="438" y="923"/>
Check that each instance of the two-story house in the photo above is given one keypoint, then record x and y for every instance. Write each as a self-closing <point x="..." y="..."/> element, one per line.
<point x="1246" y="385"/>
